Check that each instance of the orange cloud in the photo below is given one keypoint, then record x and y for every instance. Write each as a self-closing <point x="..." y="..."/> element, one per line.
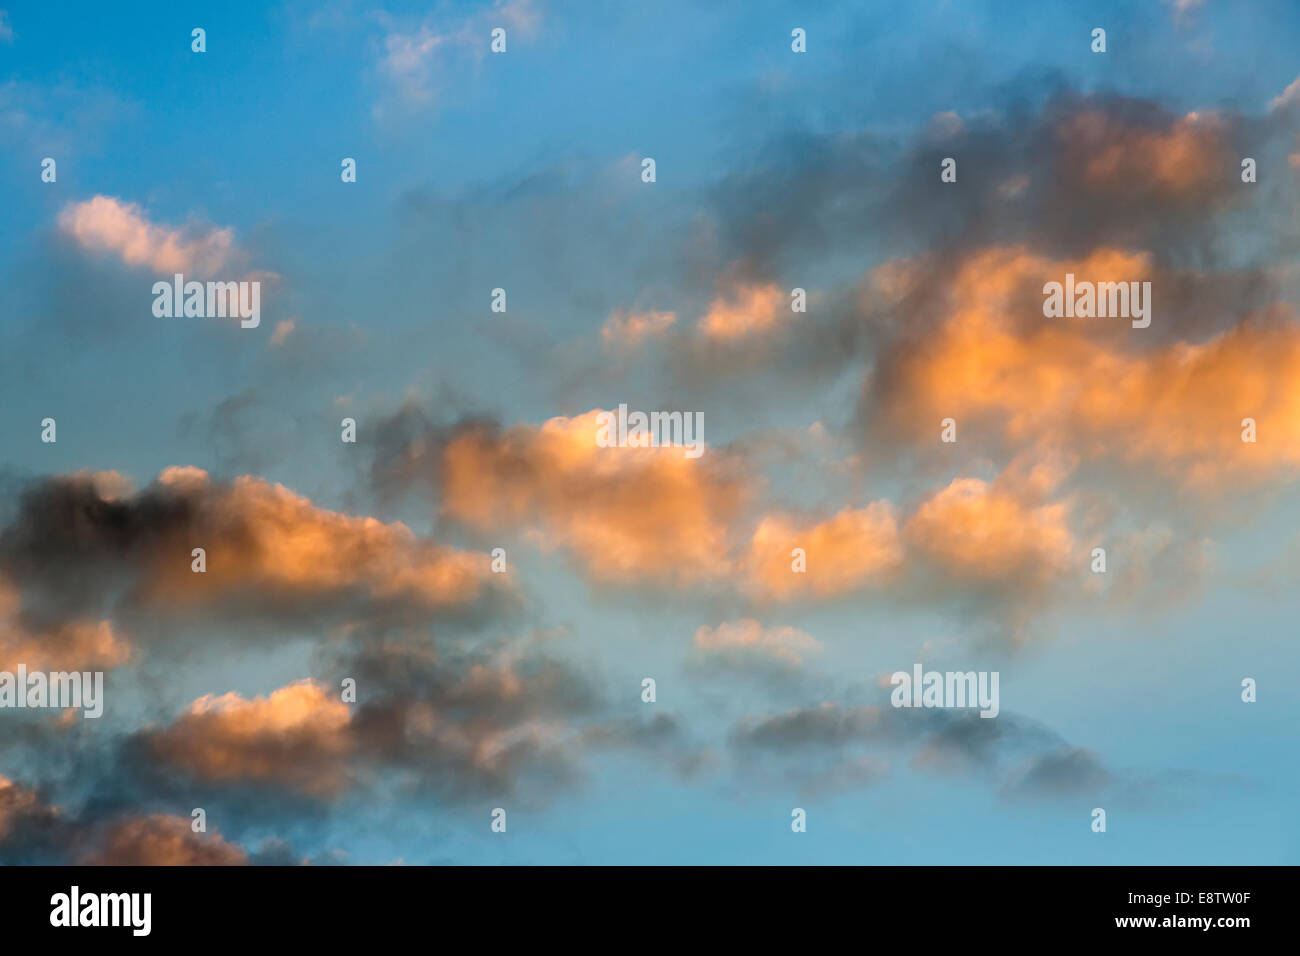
<point x="857" y="547"/>
<point x="297" y="737"/>
<point x="625" y="329"/>
<point x="650" y="515"/>
<point x="980" y="532"/>
<point x="263" y="536"/>
<point x="1072" y="383"/>
<point x="746" y="312"/>
<point x="74" y="645"/>
<point x="1108" y="154"/>
<point x="19" y="806"/>
<point x="163" y="840"/>
<point x="628" y="513"/>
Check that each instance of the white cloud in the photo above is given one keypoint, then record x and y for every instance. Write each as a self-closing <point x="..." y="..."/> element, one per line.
<point x="411" y="55"/>
<point x="1287" y="97"/>
<point x="107" y="224"/>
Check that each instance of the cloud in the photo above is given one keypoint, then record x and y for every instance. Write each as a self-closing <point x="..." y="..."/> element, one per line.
<point x="31" y="829"/>
<point x="627" y="330"/>
<point x="21" y="811"/>
<point x="407" y="63"/>
<point x="1185" y="6"/>
<point x="466" y="722"/>
<point x="283" y="329"/>
<point x="521" y="15"/>
<point x="73" y="645"/>
<point x="746" y="312"/>
<point x="6" y="31"/>
<point x="109" y="225"/>
<point x="297" y="738"/>
<point x="1108" y="153"/>
<point x="34" y="831"/>
<point x="662" y="738"/>
<point x="1007" y="375"/>
<point x="1052" y="169"/>
<point x="977" y="531"/>
<point x="1287" y="97"/>
<point x="627" y="513"/>
<point x="834" y="746"/>
<point x="162" y="840"/>
<point x="825" y="724"/>
<point x="651" y="517"/>
<point x="1061" y="772"/>
<point x="855" y="548"/>
<point x="746" y="642"/>
<point x="410" y="62"/>
<point x="270" y="553"/>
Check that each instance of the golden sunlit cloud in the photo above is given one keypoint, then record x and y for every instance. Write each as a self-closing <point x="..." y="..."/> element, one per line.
<point x="1072" y="385"/>
<point x="745" y="312"/>
<point x="296" y="737"/>
<point x="163" y="840"/>
<point x="855" y="548"/>
<point x="628" y="513"/>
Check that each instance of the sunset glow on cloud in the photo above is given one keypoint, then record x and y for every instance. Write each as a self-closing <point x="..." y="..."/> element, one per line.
<point x="613" y="421"/>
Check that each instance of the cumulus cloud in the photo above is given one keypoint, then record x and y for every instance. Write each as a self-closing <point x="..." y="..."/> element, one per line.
<point x="855" y="548"/>
<point x="162" y="840"/>
<point x="109" y="225"/>
<point x="465" y="722"/>
<point x="748" y="311"/>
<point x="1000" y="369"/>
<point x="297" y="737"/>
<point x="627" y="513"/>
<point x="72" y="645"/>
<point x="458" y="723"/>
<point x="652" y="517"/>
<point x="1067" y="175"/>
<point x="21" y="809"/>
<point x="979" y="531"/>
<point x="1108" y="153"/>
<point x="34" y="831"/>
<point x="270" y="553"/>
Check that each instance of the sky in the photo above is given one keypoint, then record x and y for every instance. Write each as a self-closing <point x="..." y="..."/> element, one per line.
<point x="430" y="644"/>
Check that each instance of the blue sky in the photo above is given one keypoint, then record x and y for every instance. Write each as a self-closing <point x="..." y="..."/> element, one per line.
<point x="774" y="170"/>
